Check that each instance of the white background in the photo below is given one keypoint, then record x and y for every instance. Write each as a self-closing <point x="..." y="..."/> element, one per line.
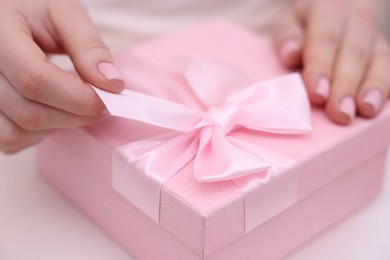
<point x="37" y="224"/>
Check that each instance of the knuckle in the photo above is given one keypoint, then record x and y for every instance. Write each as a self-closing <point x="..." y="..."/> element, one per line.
<point x="28" y="120"/>
<point x="12" y="142"/>
<point x="321" y="50"/>
<point x="92" y="44"/>
<point x="91" y="47"/>
<point x="318" y="61"/>
<point x="325" y="39"/>
<point x="345" y="80"/>
<point x="383" y="50"/>
<point x="283" y="25"/>
<point x="367" y="15"/>
<point x="330" y="39"/>
<point x="377" y="78"/>
<point x="357" y="51"/>
<point x="30" y="83"/>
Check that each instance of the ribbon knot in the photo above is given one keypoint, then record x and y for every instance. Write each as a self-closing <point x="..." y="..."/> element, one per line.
<point x="278" y="106"/>
<point x="223" y="116"/>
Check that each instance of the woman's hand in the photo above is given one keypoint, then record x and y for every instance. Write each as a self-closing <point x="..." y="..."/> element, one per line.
<point x="36" y="96"/>
<point x="345" y="58"/>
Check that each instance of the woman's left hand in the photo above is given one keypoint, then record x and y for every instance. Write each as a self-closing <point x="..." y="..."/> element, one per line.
<point x="345" y="57"/>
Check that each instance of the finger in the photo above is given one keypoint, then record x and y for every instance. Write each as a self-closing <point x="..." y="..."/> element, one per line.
<point x="13" y="138"/>
<point x="376" y="85"/>
<point x="25" y="65"/>
<point x="31" y="115"/>
<point x="322" y="39"/>
<point x="288" y="38"/>
<point x="92" y="59"/>
<point x="350" y="68"/>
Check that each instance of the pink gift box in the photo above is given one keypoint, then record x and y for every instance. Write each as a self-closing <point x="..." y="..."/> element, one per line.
<point x="336" y="169"/>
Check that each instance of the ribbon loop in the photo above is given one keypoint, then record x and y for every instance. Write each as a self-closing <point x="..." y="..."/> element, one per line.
<point x="212" y="82"/>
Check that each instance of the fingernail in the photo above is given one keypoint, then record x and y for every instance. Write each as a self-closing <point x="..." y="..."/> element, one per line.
<point x="374" y="99"/>
<point x="289" y="47"/>
<point x="348" y="107"/>
<point x="109" y="71"/>
<point x="323" y="87"/>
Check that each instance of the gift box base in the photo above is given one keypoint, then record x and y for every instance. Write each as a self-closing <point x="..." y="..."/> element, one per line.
<point x="145" y="239"/>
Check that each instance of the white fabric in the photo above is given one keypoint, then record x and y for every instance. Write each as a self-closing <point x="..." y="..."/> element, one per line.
<point x="124" y="22"/>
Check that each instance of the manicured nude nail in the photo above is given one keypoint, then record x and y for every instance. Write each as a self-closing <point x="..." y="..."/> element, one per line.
<point x="323" y="87"/>
<point x="374" y="99"/>
<point x="109" y="71"/>
<point x="291" y="46"/>
<point x="347" y="106"/>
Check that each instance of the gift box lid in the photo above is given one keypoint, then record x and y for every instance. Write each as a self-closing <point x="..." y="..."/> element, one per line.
<point x="206" y="216"/>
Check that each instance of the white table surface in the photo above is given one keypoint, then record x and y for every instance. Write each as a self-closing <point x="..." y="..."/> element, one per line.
<point x="37" y="224"/>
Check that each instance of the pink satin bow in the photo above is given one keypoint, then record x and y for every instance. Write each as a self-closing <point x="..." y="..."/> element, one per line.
<point x="278" y="106"/>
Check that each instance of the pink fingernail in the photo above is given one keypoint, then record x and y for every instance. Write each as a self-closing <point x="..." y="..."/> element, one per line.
<point x="323" y="87"/>
<point x="109" y="71"/>
<point x="374" y="99"/>
<point x="289" y="47"/>
<point x="348" y="107"/>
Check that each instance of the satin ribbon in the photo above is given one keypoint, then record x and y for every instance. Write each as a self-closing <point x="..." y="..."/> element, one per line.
<point x="278" y="106"/>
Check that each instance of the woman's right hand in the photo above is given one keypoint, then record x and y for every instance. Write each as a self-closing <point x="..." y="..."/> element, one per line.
<point x="36" y="96"/>
<point x="344" y="54"/>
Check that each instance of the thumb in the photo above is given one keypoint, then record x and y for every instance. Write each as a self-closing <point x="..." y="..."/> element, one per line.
<point x="79" y="38"/>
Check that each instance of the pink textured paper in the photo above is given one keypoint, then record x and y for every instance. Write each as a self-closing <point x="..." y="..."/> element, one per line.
<point x="206" y="217"/>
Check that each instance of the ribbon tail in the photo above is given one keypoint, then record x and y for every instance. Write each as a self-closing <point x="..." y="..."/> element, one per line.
<point x="141" y="168"/>
<point x="279" y="162"/>
<point x="278" y="184"/>
<point x="219" y="159"/>
<point x="151" y="110"/>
